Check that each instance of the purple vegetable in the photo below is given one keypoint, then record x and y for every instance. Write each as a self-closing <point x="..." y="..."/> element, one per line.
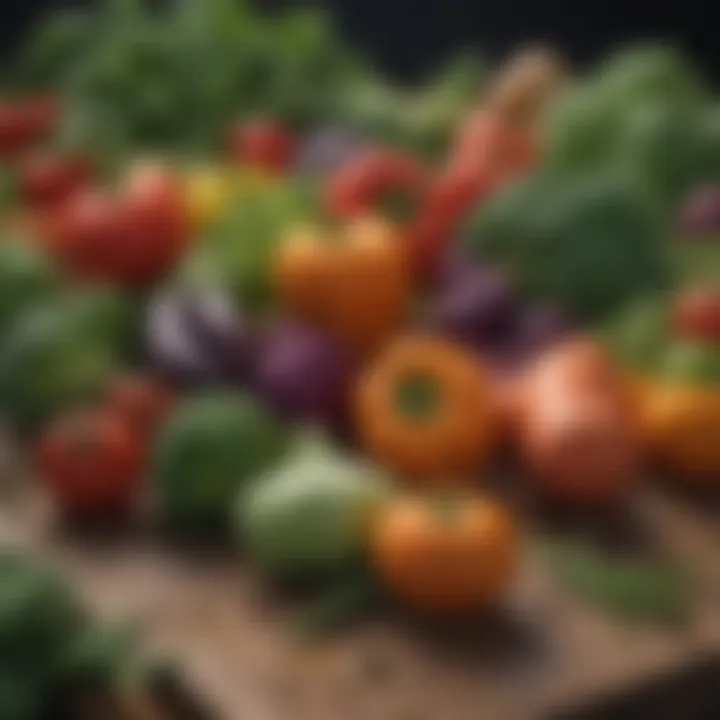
<point x="218" y="326"/>
<point x="303" y="374"/>
<point x="541" y="326"/>
<point x="479" y="307"/>
<point x="328" y="148"/>
<point x="700" y="214"/>
<point x="170" y="345"/>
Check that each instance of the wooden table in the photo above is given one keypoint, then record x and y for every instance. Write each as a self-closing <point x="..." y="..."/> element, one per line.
<point x="545" y="651"/>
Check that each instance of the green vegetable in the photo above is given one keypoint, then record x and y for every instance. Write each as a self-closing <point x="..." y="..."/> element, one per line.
<point x="25" y="279"/>
<point x="137" y="68"/>
<point x="662" y="145"/>
<point x="47" y="641"/>
<point x="588" y="242"/>
<point x="638" y="335"/>
<point x="310" y="514"/>
<point x="61" y="352"/>
<point x="346" y="600"/>
<point x="650" y="72"/>
<point x="238" y="250"/>
<point x="39" y="615"/>
<point x="631" y="589"/>
<point x="646" y="113"/>
<point x="691" y="361"/>
<point x="20" y="694"/>
<point x="212" y="445"/>
<point x="579" y="129"/>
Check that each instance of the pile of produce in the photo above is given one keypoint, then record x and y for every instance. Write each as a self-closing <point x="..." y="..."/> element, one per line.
<point x="53" y="657"/>
<point x="243" y="275"/>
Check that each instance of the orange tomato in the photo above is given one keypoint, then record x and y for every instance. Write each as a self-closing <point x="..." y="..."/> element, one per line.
<point x="446" y="555"/>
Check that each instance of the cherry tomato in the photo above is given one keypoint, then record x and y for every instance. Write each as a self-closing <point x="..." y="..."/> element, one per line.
<point x="81" y="234"/>
<point x="48" y="180"/>
<point x="26" y="121"/>
<point x="697" y="313"/>
<point x="142" y="401"/>
<point x="263" y="143"/>
<point x="154" y="228"/>
<point x="91" y="462"/>
<point x="133" y="238"/>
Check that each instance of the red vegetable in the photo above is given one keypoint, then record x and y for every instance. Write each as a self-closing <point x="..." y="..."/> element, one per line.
<point x="576" y="428"/>
<point x="263" y="143"/>
<point x="26" y="121"/>
<point x="143" y="401"/>
<point x="153" y="226"/>
<point x="377" y="182"/>
<point x="697" y="313"/>
<point x="80" y="234"/>
<point x="47" y="179"/>
<point x="92" y="463"/>
<point x="134" y="238"/>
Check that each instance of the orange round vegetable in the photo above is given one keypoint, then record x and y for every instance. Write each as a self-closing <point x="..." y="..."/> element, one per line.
<point x="576" y="434"/>
<point x="355" y="285"/>
<point x="579" y="448"/>
<point x="425" y="410"/>
<point x="451" y="555"/>
<point x="681" y="425"/>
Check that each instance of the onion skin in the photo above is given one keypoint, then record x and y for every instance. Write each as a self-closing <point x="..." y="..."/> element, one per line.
<point x="303" y="374"/>
<point x="171" y="347"/>
<point x="576" y="429"/>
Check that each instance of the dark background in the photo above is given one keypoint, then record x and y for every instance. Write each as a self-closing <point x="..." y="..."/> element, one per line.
<point x="409" y="37"/>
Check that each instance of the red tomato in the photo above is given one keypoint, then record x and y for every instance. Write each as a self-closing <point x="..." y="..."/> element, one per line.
<point x="133" y="239"/>
<point x="14" y="132"/>
<point x="142" y="401"/>
<point x="25" y="121"/>
<point x="42" y="113"/>
<point x="697" y="314"/>
<point x="81" y="234"/>
<point x="264" y="143"/>
<point x="47" y="179"/>
<point x="91" y="462"/>
<point x="153" y="226"/>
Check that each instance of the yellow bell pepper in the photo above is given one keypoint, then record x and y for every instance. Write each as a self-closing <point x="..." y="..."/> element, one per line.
<point x="210" y="190"/>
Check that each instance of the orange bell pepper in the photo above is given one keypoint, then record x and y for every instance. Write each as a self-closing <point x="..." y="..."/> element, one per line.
<point x="354" y="282"/>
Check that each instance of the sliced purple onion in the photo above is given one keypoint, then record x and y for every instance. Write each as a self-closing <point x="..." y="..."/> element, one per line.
<point x="303" y="374"/>
<point x="170" y="345"/>
<point x="478" y="308"/>
<point x="220" y="328"/>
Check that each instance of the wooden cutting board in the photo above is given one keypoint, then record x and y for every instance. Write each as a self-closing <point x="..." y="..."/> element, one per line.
<point x="542" y="652"/>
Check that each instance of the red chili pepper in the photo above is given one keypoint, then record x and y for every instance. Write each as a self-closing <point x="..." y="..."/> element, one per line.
<point x="378" y="182"/>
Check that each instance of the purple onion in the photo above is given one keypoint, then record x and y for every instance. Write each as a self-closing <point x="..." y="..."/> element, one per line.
<point x="326" y="149"/>
<point x="700" y="214"/>
<point x="303" y="374"/>
<point x="479" y="307"/>
<point x="170" y="345"/>
<point x="541" y="326"/>
<point x="218" y="326"/>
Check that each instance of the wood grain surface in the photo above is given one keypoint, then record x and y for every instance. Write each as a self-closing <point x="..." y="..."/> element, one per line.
<point x="541" y="652"/>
